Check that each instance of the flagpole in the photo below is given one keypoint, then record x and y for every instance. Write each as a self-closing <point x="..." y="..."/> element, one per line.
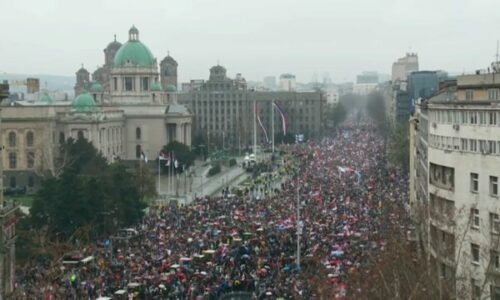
<point x="159" y="182"/>
<point x="255" y="128"/>
<point x="272" y="122"/>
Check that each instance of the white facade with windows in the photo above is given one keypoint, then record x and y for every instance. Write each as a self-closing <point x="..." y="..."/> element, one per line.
<point x="463" y="163"/>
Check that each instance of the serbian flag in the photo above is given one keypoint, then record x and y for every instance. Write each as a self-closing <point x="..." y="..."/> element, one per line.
<point x="162" y="156"/>
<point x="257" y="112"/>
<point x="284" y="118"/>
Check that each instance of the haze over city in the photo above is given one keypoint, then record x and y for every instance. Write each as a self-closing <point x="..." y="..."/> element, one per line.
<point x="255" y="38"/>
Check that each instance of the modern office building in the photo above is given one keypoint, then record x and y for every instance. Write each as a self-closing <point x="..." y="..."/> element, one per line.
<point x="455" y="159"/>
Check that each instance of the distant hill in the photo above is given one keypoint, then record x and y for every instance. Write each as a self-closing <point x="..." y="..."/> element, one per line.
<point x="49" y="82"/>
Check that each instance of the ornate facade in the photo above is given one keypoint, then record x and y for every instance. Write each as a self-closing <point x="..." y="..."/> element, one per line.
<point x="124" y="111"/>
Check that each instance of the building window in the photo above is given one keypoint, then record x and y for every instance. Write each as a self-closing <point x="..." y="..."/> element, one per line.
<point x="31" y="181"/>
<point x="493" y="94"/>
<point x="138" y="133"/>
<point x="30" y="160"/>
<point x="494" y="186"/>
<point x="492" y="118"/>
<point x="62" y="138"/>
<point x="474" y="182"/>
<point x="30" y="139"/>
<point x="475" y="289"/>
<point x="474" y="250"/>
<point x="138" y="151"/>
<point x="80" y="135"/>
<point x="495" y="260"/>
<point x="469" y="95"/>
<point x="482" y="117"/>
<point x="115" y="83"/>
<point x="474" y="213"/>
<point x="473" y="145"/>
<point x="145" y="83"/>
<point x="12" y="160"/>
<point x="12" y="139"/>
<point x="13" y="182"/>
<point x="473" y="117"/>
<point x="494" y="223"/>
<point x="129" y="84"/>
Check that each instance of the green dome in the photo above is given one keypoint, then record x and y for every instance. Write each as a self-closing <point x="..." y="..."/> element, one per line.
<point x="96" y="87"/>
<point x="156" y="87"/>
<point x="46" y="99"/>
<point x="84" y="103"/>
<point x="171" y="88"/>
<point x="134" y="53"/>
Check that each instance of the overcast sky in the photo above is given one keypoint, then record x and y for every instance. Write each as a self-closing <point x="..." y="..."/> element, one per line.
<point x="253" y="37"/>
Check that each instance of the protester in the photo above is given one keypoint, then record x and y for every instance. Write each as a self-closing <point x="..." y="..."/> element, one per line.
<point x="248" y="243"/>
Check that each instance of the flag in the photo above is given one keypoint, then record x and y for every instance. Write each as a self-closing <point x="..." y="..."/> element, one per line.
<point x="162" y="156"/>
<point x="284" y="118"/>
<point x="144" y="157"/>
<point x="257" y="111"/>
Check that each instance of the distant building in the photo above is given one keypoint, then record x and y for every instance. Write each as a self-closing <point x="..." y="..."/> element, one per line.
<point x="32" y="85"/>
<point x="224" y="110"/>
<point x="404" y="66"/>
<point x="367" y="77"/>
<point x="270" y="83"/>
<point x="423" y="84"/>
<point x="454" y="180"/>
<point x="366" y="83"/>
<point x="287" y="82"/>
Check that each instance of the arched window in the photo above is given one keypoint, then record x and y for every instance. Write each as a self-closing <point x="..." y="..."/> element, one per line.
<point x="138" y="151"/>
<point x="30" y="160"/>
<point x="62" y="138"/>
<point x="12" y="160"/>
<point x="13" y="182"/>
<point x="138" y="133"/>
<point x="12" y="139"/>
<point x="30" y="138"/>
<point x="80" y="134"/>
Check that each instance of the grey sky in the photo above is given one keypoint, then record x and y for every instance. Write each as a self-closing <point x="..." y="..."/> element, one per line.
<point x="254" y="37"/>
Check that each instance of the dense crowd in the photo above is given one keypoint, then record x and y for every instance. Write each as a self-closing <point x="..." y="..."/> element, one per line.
<point x="248" y="243"/>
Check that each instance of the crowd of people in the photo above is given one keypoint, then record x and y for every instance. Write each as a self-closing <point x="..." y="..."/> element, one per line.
<point x="331" y="194"/>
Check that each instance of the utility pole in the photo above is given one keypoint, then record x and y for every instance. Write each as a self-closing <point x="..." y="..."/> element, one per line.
<point x="299" y="225"/>
<point x="255" y="129"/>
<point x="272" y="122"/>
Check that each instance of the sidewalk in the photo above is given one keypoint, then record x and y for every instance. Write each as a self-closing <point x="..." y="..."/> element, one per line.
<point x="199" y="185"/>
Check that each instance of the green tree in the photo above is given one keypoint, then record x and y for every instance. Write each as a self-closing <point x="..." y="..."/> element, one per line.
<point x="376" y="110"/>
<point x="89" y="193"/>
<point x="181" y="153"/>
<point x="398" y="147"/>
<point x="335" y="115"/>
<point x="280" y="138"/>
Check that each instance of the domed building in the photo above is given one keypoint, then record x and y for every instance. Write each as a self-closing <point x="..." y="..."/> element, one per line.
<point x="130" y="81"/>
<point x="123" y="111"/>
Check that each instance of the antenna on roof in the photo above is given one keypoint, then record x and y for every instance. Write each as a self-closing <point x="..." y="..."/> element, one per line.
<point x="496" y="56"/>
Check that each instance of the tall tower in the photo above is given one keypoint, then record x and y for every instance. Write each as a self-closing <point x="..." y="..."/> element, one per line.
<point x="110" y="51"/>
<point x="7" y="228"/>
<point x="82" y="80"/>
<point x="168" y="72"/>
